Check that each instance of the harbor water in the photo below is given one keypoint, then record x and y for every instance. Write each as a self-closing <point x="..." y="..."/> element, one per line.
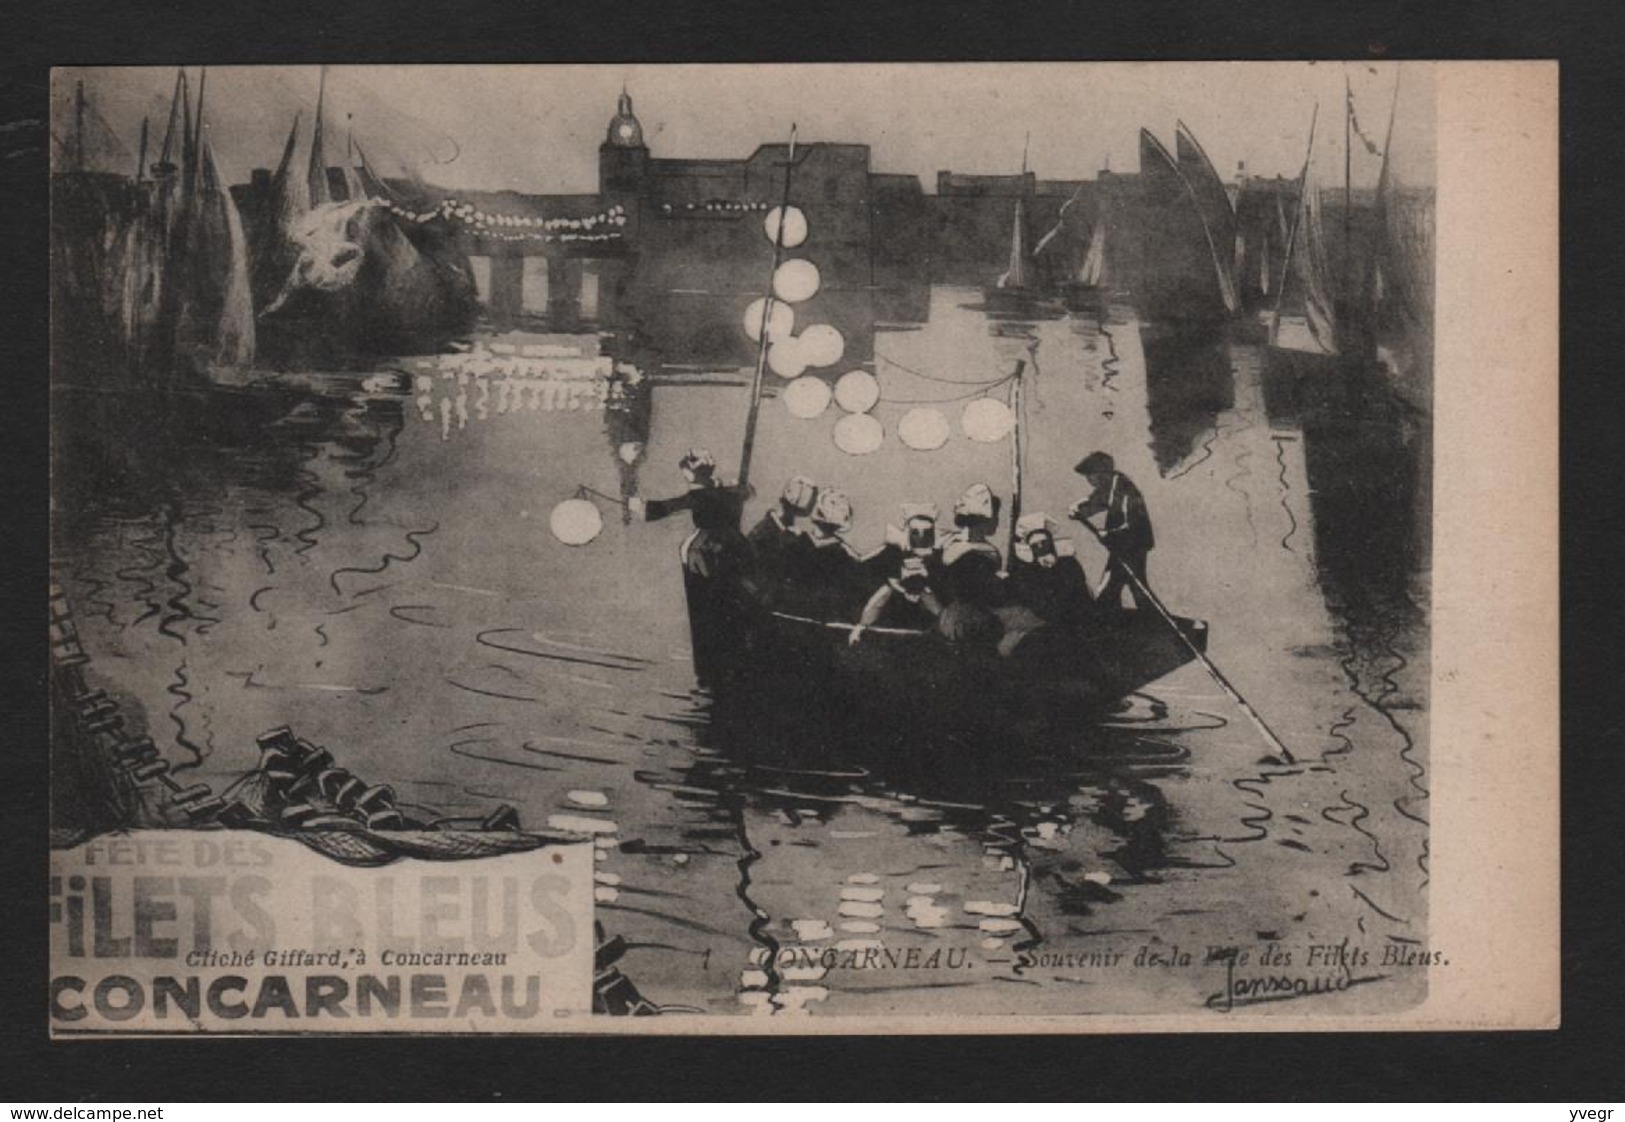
<point x="372" y="566"/>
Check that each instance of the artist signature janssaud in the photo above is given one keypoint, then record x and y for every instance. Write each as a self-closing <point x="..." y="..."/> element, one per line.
<point x="1257" y="989"/>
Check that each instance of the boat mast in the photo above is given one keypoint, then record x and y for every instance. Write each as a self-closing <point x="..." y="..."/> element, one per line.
<point x="1297" y="220"/>
<point x="196" y="175"/>
<point x="79" y="125"/>
<point x="1380" y="225"/>
<point x="767" y="308"/>
<point x="1348" y="186"/>
<point x="141" y="159"/>
<point x="1015" y="459"/>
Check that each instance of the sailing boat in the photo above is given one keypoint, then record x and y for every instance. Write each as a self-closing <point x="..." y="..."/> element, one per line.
<point x="767" y="660"/>
<point x="1184" y="278"/>
<point x="1087" y="292"/>
<point x="1013" y="292"/>
<point x="1218" y="212"/>
<point x="175" y="278"/>
<point x="1340" y="284"/>
<point x="339" y="277"/>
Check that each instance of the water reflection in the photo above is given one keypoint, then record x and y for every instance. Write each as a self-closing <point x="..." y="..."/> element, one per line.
<point x="880" y="875"/>
<point x="370" y="567"/>
<point x="1188" y="383"/>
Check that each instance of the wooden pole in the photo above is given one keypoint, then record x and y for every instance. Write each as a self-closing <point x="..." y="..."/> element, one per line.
<point x="1015" y="459"/>
<point x="141" y="160"/>
<point x="1212" y="669"/>
<point x="79" y="125"/>
<point x="1348" y="187"/>
<point x="767" y="308"/>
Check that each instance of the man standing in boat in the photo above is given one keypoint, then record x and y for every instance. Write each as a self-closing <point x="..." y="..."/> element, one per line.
<point x="1127" y="532"/>
<point x="716" y="557"/>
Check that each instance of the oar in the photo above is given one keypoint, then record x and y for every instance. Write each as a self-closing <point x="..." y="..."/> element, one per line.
<point x="1217" y="674"/>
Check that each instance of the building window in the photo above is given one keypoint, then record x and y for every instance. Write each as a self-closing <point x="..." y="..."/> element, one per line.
<point x="533" y="285"/>
<point x="480" y="266"/>
<point x="589" y="293"/>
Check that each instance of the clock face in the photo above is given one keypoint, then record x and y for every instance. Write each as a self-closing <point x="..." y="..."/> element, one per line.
<point x="626" y="130"/>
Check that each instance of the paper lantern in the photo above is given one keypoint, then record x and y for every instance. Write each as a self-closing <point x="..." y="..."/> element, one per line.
<point x="795" y="280"/>
<point x="575" y="522"/>
<point x="987" y="419"/>
<point x="857" y="391"/>
<point x="924" y="429"/>
<point x="784" y="357"/>
<point x="823" y="345"/>
<point x="858" y="434"/>
<point x="806" y="397"/>
<point x="781" y="319"/>
<point x="795" y="227"/>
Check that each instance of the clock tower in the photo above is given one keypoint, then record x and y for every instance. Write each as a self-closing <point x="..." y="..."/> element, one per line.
<point x="623" y="158"/>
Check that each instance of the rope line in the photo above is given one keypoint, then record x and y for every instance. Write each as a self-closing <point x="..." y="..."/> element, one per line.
<point x="983" y="389"/>
<point x="934" y="378"/>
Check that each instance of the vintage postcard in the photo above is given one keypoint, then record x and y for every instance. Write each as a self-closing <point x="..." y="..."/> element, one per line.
<point x="803" y="548"/>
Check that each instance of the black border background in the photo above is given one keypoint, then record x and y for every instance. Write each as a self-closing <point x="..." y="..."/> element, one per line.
<point x="1580" y="1064"/>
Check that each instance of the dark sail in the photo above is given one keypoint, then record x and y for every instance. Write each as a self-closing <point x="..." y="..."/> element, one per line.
<point x="1179" y="278"/>
<point x="1213" y="204"/>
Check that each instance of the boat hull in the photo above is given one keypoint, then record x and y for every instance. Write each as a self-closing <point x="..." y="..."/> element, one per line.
<point x="1088" y="298"/>
<point x="898" y="681"/>
<point x="1011" y="301"/>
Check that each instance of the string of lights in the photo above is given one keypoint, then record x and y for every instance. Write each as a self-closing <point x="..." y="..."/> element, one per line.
<point x="600" y="227"/>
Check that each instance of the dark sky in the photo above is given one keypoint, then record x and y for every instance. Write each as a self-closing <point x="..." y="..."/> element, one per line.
<point x="537" y="128"/>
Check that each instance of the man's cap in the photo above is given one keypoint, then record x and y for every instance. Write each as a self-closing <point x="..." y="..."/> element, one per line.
<point x="1095" y="462"/>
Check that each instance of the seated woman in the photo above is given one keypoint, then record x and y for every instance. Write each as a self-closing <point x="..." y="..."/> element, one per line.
<point x="1045" y="579"/>
<point x="971" y="563"/>
<point x="822" y="568"/>
<point x="781" y="526"/>
<point x="905" y="601"/>
<point x="917" y="537"/>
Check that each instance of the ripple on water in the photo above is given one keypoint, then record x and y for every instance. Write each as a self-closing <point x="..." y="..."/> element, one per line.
<point x="811" y="930"/>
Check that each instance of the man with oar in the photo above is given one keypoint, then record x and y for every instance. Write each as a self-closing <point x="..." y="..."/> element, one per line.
<point x="1127" y="533"/>
<point x="1127" y="538"/>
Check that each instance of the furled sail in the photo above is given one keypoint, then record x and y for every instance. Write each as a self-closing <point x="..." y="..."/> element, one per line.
<point x="1313" y="268"/>
<point x="1093" y="271"/>
<point x="215" y="328"/>
<point x="320" y="192"/>
<point x="1016" y="275"/>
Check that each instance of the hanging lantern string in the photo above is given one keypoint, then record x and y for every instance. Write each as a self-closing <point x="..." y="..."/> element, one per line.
<point x="583" y="491"/>
<point x="979" y="389"/>
<point x="934" y="378"/>
<point x="599" y="227"/>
